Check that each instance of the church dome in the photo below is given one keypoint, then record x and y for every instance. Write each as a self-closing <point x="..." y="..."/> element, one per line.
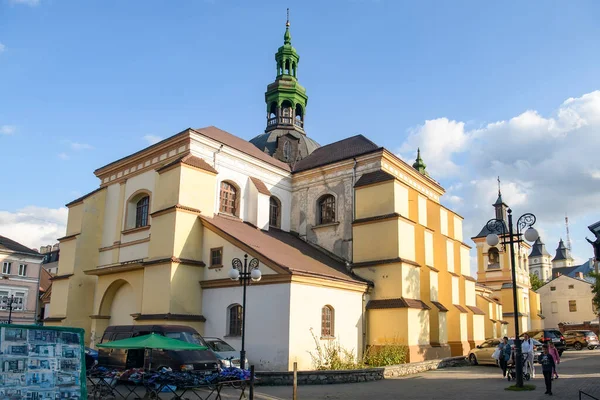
<point x="269" y="142"/>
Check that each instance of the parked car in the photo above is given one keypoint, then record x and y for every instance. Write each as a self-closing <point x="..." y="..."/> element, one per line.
<point x="580" y="339"/>
<point x="196" y="360"/>
<point x="482" y="354"/>
<point x="548" y="335"/>
<point x="227" y="355"/>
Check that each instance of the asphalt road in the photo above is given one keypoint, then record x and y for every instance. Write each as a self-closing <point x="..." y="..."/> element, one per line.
<point x="579" y="370"/>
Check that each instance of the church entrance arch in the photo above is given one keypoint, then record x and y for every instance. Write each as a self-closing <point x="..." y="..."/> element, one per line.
<point x="119" y="302"/>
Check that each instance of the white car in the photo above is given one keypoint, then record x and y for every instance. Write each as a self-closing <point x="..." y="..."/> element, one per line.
<point x="482" y="354"/>
<point x="227" y="355"/>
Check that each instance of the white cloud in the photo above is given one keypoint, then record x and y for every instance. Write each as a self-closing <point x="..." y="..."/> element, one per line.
<point x="7" y="129"/>
<point x="152" y="139"/>
<point x="34" y="226"/>
<point x="80" y="146"/>
<point x="31" y="3"/>
<point x="63" y="156"/>
<point x="2" y="47"/>
<point x="548" y="165"/>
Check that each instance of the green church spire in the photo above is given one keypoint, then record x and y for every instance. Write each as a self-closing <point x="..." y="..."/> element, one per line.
<point x="419" y="165"/>
<point x="287" y="37"/>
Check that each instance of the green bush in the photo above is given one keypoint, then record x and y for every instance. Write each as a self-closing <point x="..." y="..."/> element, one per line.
<point x="390" y="353"/>
<point x="332" y="356"/>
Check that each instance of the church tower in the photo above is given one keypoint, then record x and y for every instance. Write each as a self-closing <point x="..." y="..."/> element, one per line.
<point x="539" y="261"/>
<point x="563" y="256"/>
<point x="286" y="100"/>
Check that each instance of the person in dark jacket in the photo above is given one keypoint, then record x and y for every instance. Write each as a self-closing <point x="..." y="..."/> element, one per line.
<point x="505" y="353"/>
<point x="547" y="367"/>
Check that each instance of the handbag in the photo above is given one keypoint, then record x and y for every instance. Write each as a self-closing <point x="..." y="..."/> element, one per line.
<point x="496" y="354"/>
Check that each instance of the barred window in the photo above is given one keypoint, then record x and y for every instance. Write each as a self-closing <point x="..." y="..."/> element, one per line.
<point x="327" y="322"/>
<point x="141" y="212"/>
<point x="235" y="320"/>
<point x="274" y="212"/>
<point x="327" y="209"/>
<point x="572" y="305"/>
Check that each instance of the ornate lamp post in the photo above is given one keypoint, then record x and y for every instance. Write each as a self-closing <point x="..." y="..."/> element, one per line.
<point x="8" y="302"/>
<point x="498" y="227"/>
<point x="245" y="273"/>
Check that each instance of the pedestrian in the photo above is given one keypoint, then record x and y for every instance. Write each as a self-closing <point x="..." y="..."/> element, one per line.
<point x="505" y="353"/>
<point x="547" y="367"/>
<point x="527" y="349"/>
<point x="556" y="357"/>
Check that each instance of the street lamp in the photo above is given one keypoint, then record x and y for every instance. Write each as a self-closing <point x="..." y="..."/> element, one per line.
<point x="9" y="301"/>
<point x="498" y="226"/>
<point x="245" y="273"/>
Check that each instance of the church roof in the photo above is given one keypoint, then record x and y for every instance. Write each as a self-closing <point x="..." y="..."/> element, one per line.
<point x="16" y="247"/>
<point x="485" y="231"/>
<point x="562" y="253"/>
<point x="574" y="271"/>
<point x="374" y="177"/>
<point x="284" y="249"/>
<point x="267" y="142"/>
<point x="347" y="148"/>
<point x="240" y="144"/>
<point x="538" y="249"/>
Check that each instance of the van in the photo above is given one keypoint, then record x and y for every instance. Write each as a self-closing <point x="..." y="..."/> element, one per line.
<point x="197" y="360"/>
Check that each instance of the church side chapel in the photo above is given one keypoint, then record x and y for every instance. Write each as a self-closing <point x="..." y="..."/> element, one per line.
<point x="352" y="242"/>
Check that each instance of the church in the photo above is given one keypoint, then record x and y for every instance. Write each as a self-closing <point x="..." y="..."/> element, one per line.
<point x="352" y="242"/>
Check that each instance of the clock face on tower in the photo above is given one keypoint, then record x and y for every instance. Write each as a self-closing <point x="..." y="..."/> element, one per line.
<point x="535" y="260"/>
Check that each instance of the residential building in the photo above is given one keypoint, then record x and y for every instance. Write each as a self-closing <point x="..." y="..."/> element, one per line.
<point x="51" y="254"/>
<point x="567" y="300"/>
<point x="19" y="282"/>
<point x="494" y="271"/>
<point x="352" y="242"/>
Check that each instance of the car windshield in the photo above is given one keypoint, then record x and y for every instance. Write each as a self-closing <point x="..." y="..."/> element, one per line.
<point x="189" y="337"/>
<point x="219" y="345"/>
<point x="590" y="333"/>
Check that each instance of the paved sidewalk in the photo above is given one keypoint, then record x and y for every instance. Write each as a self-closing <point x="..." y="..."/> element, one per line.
<point x="578" y="370"/>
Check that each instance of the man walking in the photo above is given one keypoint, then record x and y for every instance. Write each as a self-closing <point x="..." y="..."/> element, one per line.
<point x="527" y="349"/>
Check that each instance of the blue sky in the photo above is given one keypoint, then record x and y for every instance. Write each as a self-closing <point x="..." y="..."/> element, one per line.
<point x="83" y="82"/>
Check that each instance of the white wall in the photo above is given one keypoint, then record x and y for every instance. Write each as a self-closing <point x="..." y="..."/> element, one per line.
<point x="305" y="313"/>
<point x="581" y="293"/>
<point x="450" y="254"/>
<point x="406" y="243"/>
<point x="111" y="214"/>
<point x="267" y="322"/>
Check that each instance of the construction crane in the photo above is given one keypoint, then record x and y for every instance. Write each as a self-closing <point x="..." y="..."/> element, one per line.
<point x="568" y="235"/>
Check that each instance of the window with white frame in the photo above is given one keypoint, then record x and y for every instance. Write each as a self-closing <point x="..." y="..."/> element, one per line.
<point x="6" y="268"/>
<point x="18" y="301"/>
<point x="22" y="269"/>
<point x="17" y="297"/>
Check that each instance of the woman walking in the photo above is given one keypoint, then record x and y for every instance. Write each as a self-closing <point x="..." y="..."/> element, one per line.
<point x="505" y="352"/>
<point x="556" y="357"/>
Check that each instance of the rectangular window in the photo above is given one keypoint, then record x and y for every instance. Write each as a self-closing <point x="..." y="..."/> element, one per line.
<point x="552" y="288"/>
<point x="572" y="305"/>
<point x="571" y="286"/>
<point x="3" y="300"/>
<point x="22" y="269"/>
<point x="18" y="301"/>
<point x="6" y="268"/>
<point x="216" y="257"/>
<point x="554" y="306"/>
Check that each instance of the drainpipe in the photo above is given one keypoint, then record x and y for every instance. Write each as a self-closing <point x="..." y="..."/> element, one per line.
<point x="215" y="167"/>
<point x="353" y="191"/>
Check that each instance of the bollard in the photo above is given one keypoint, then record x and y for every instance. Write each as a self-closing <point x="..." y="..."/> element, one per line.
<point x="295" y="387"/>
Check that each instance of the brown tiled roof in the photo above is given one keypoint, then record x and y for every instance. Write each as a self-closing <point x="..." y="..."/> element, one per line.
<point x="439" y="306"/>
<point x="485" y="298"/>
<point x="284" y="249"/>
<point x="85" y="196"/>
<point x="385" y="261"/>
<point x="45" y="279"/>
<point x="373" y="177"/>
<point x="469" y="278"/>
<point x="453" y="274"/>
<point x="342" y="150"/>
<point x="377" y="218"/>
<point x="240" y="144"/>
<point x="476" y="311"/>
<point x="192" y="161"/>
<point x="401" y="302"/>
<point x="460" y="308"/>
<point x="12" y="246"/>
<point x="260" y="186"/>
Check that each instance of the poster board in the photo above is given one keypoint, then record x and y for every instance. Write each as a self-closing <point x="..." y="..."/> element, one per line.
<point x="42" y="363"/>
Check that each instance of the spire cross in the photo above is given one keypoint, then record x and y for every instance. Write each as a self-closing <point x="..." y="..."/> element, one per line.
<point x="288" y="18"/>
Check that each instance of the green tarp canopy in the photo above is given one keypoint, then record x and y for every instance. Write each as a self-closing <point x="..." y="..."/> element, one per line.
<point x="152" y="341"/>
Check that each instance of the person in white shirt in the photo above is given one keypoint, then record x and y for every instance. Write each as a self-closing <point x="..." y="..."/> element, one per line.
<point x="527" y="349"/>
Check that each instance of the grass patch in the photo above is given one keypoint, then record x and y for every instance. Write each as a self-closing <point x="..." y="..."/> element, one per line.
<point x="525" y="388"/>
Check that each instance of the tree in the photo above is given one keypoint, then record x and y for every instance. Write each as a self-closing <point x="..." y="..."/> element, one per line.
<point x="535" y="281"/>
<point x="596" y="290"/>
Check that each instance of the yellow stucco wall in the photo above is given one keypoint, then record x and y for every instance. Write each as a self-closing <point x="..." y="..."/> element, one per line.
<point x="370" y="244"/>
<point x="375" y="200"/>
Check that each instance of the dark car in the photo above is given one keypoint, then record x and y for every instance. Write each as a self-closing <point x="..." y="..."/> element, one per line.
<point x="186" y="360"/>
<point x="580" y="339"/>
<point x="548" y="335"/>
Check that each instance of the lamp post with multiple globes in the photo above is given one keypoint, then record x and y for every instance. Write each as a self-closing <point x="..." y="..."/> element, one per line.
<point x="508" y="236"/>
<point x="245" y="273"/>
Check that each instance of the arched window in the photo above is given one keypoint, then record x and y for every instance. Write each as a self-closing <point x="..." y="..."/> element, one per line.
<point x="299" y="121"/>
<point x="275" y="212"/>
<point x="234" y="320"/>
<point x="327" y="322"/>
<point x="493" y="258"/>
<point x="326" y="209"/>
<point x="228" y="199"/>
<point x="141" y="212"/>
<point x="286" y="112"/>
